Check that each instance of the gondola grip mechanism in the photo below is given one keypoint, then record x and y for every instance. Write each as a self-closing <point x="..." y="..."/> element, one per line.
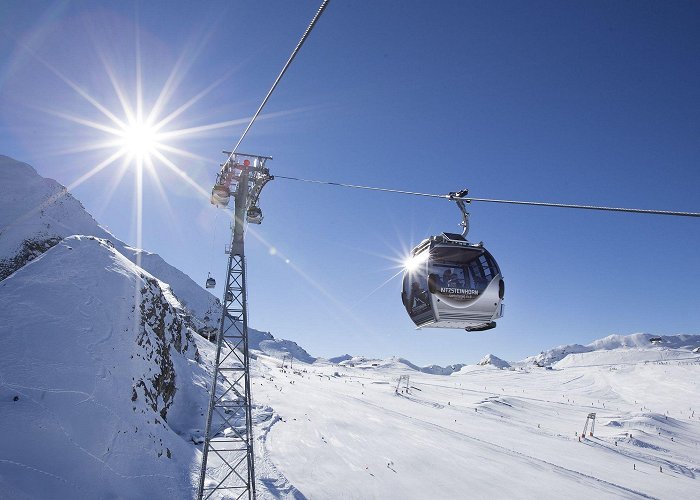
<point x="459" y="198"/>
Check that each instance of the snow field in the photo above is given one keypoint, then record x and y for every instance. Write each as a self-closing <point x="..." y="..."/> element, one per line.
<point x="85" y="386"/>
<point x="485" y="432"/>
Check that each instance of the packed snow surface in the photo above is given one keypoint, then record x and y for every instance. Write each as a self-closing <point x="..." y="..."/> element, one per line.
<point x="343" y="431"/>
<point x="100" y="385"/>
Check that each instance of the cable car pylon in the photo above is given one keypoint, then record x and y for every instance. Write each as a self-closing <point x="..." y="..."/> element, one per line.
<point x="590" y="418"/>
<point x="229" y="430"/>
<point x="228" y="435"/>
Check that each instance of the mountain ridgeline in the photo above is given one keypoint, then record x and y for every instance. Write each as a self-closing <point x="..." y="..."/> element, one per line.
<point x="36" y="213"/>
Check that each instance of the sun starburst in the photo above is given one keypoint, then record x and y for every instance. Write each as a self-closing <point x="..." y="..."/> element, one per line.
<point x="140" y="139"/>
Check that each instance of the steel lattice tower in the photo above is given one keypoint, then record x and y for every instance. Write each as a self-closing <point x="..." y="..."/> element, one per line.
<point x="229" y="431"/>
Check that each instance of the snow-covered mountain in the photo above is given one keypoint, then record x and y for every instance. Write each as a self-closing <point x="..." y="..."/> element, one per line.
<point x="339" y="359"/>
<point x="492" y="360"/>
<point x="634" y="341"/>
<point x="267" y="344"/>
<point x="442" y="370"/>
<point x="101" y="386"/>
<point x="36" y="213"/>
<point x="363" y="362"/>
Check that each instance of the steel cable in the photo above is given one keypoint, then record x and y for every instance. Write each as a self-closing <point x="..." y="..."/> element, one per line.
<point x="279" y="77"/>
<point x="469" y="199"/>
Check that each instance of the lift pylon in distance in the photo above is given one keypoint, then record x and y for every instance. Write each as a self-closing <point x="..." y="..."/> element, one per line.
<point x="228" y="465"/>
<point x="590" y="418"/>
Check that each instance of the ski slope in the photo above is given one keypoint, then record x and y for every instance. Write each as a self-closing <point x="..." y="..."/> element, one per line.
<point x="103" y="391"/>
<point x="343" y="432"/>
<point x="101" y="387"/>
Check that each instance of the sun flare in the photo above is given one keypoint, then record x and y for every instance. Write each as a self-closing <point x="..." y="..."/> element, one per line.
<point x="139" y="139"/>
<point x="414" y="262"/>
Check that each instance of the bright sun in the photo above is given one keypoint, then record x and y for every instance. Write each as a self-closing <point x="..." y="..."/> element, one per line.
<point x="142" y="133"/>
<point x="139" y="139"/>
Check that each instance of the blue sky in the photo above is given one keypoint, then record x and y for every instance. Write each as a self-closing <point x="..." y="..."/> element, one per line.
<point x="578" y="102"/>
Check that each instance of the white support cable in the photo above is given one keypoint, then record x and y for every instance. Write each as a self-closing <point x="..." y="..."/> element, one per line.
<point x="453" y="197"/>
<point x="279" y="77"/>
<point x="341" y="184"/>
<point x="589" y="207"/>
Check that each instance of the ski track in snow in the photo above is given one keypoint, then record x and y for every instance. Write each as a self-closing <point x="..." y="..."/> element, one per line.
<point x="43" y="472"/>
<point x="502" y="449"/>
<point x="507" y="409"/>
<point x="69" y="436"/>
<point x="275" y="482"/>
<point x="572" y="380"/>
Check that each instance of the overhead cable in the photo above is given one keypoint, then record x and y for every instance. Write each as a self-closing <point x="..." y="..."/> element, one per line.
<point x="341" y="184"/>
<point x="453" y="197"/>
<point x="589" y="207"/>
<point x="284" y="70"/>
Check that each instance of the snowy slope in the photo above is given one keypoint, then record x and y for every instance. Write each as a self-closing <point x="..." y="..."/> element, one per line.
<point x="35" y="213"/>
<point x="265" y="343"/>
<point x="637" y="340"/>
<point x="342" y="431"/>
<point x="100" y="388"/>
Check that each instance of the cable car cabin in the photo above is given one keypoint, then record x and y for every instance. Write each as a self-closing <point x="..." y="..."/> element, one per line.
<point x="211" y="282"/>
<point x="254" y="215"/>
<point x="451" y="283"/>
<point x="220" y="196"/>
<point x="229" y="175"/>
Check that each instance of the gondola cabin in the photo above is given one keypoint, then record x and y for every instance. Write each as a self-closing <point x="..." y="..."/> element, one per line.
<point x="451" y="283"/>
<point x="226" y="181"/>
<point x="211" y="282"/>
<point x="254" y="215"/>
<point x="220" y="196"/>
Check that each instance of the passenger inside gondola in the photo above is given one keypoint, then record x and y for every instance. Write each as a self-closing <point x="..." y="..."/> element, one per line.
<point x="448" y="278"/>
<point x="453" y="278"/>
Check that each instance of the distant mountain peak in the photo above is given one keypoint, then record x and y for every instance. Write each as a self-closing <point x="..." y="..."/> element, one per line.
<point x="492" y="360"/>
<point x="616" y="341"/>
